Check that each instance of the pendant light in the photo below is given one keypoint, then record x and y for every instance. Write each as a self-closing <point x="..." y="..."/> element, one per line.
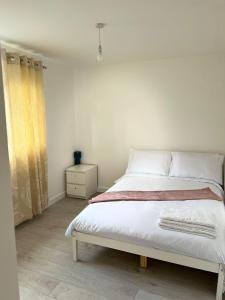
<point x="99" y="26"/>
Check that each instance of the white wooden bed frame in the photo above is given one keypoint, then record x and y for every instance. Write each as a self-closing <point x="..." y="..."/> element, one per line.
<point x="182" y="260"/>
<point x="153" y="253"/>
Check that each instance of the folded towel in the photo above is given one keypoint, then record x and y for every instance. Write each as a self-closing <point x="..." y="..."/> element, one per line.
<point x="184" y="230"/>
<point x="182" y="219"/>
<point x="189" y="216"/>
<point x="190" y="227"/>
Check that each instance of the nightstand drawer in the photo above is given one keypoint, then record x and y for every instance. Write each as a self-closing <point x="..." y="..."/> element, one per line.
<point x="76" y="190"/>
<point x="73" y="177"/>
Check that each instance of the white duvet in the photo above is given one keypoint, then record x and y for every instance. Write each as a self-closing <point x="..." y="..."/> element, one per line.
<point x="138" y="221"/>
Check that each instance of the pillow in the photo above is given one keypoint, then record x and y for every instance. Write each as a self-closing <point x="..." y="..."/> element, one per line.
<point x="197" y="165"/>
<point x="148" y="161"/>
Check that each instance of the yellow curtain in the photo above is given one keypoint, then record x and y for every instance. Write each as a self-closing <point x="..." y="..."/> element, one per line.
<point x="25" y="114"/>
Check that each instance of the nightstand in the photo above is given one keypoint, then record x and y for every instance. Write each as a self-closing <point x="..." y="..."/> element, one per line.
<point x="81" y="181"/>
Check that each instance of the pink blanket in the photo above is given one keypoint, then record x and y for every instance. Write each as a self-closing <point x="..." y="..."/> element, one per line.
<point x="170" y="195"/>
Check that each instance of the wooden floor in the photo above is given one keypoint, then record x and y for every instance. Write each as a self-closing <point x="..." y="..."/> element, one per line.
<point x="46" y="270"/>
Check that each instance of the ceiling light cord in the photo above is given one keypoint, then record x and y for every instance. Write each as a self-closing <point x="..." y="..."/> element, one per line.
<point x="99" y="42"/>
<point x="99" y="36"/>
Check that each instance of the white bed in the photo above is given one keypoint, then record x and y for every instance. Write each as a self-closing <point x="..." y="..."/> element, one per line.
<point x="137" y="221"/>
<point x="133" y="226"/>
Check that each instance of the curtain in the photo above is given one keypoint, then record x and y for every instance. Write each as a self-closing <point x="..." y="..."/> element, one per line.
<point x="25" y="115"/>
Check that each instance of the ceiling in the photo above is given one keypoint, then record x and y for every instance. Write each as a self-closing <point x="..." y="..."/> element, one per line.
<point x="136" y="29"/>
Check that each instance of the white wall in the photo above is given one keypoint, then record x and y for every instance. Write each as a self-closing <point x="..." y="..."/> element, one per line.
<point x="164" y="104"/>
<point x="8" y="266"/>
<point x="59" y="97"/>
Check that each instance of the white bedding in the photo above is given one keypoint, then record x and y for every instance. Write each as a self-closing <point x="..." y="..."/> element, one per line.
<point x="137" y="221"/>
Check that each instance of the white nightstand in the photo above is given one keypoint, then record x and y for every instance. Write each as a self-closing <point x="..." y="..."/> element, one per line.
<point x="81" y="181"/>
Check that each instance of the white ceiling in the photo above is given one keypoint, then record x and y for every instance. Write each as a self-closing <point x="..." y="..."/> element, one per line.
<point x="136" y="29"/>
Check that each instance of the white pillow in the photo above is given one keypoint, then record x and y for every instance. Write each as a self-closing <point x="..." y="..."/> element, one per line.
<point x="197" y="165"/>
<point x="148" y="161"/>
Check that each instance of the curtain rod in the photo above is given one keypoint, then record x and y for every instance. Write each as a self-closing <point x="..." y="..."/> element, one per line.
<point x="11" y="46"/>
<point x="11" y="57"/>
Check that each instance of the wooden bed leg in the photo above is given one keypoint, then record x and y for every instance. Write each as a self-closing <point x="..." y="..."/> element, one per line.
<point x="75" y="249"/>
<point x="220" y="283"/>
<point x="143" y="262"/>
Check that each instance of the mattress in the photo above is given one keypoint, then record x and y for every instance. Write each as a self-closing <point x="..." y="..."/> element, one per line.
<point x="137" y="222"/>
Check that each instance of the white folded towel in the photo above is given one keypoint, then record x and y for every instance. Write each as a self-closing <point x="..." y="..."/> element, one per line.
<point x="182" y="219"/>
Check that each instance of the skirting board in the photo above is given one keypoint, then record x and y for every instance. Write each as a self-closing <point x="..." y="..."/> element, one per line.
<point x="56" y="198"/>
<point x="102" y="189"/>
<point x="59" y="196"/>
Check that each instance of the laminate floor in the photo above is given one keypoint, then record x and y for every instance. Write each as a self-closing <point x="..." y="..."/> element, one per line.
<point x="47" y="271"/>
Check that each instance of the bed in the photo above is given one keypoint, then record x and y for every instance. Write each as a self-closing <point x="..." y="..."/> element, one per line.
<point x="133" y="226"/>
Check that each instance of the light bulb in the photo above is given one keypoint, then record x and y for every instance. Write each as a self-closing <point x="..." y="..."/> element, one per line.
<point x="99" y="57"/>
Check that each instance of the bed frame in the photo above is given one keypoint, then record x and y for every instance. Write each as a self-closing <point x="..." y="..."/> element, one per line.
<point x="153" y="253"/>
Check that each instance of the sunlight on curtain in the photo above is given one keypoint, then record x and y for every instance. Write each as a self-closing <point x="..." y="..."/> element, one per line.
<point x="25" y="114"/>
